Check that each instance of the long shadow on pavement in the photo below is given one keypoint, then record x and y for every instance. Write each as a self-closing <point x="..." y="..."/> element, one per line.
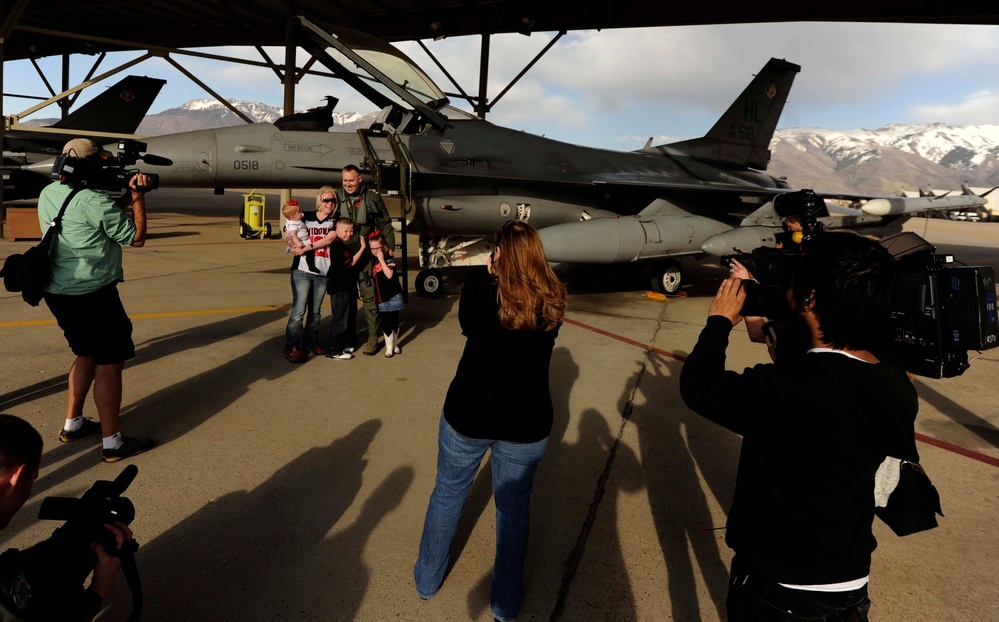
<point x="679" y="448"/>
<point x="978" y="426"/>
<point x="266" y="554"/>
<point x="171" y="412"/>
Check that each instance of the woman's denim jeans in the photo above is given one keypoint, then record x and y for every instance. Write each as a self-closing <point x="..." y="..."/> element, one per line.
<point x="513" y="466"/>
<point x="307" y="291"/>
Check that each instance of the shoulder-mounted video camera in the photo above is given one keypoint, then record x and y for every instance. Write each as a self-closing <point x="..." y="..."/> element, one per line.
<point x="941" y="310"/>
<point x="107" y="172"/>
<point x="771" y="267"/>
<point x="803" y="205"/>
<point x="57" y="567"/>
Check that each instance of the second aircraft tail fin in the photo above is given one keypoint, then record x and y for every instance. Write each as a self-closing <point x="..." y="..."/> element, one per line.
<point x="119" y="109"/>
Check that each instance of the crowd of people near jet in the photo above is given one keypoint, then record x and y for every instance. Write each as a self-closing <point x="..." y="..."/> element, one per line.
<point x="801" y="519"/>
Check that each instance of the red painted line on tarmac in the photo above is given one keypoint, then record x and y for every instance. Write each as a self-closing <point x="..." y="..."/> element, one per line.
<point x="639" y="344"/>
<point x="967" y="453"/>
<point x="929" y="440"/>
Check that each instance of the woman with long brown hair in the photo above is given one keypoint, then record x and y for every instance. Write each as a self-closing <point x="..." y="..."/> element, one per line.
<point x="499" y="400"/>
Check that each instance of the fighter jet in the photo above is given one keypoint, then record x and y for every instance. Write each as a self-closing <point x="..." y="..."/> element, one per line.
<point x="463" y="177"/>
<point x="118" y="110"/>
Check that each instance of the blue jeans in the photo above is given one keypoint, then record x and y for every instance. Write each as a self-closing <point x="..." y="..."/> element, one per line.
<point x="340" y="309"/>
<point x="307" y="291"/>
<point x="513" y="466"/>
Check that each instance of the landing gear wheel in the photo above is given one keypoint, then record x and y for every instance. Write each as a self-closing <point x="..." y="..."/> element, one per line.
<point x="667" y="277"/>
<point x="430" y="283"/>
<point x="267" y="230"/>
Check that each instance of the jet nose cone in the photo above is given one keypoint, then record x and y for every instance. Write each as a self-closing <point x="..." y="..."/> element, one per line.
<point x="717" y="245"/>
<point x="43" y="167"/>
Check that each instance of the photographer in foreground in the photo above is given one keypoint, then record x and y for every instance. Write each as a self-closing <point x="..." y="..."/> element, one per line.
<point x="800" y="520"/>
<point x="83" y="295"/>
<point x="27" y="590"/>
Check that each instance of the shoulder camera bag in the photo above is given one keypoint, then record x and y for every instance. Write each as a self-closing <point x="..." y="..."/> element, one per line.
<point x="29" y="272"/>
<point x="913" y="504"/>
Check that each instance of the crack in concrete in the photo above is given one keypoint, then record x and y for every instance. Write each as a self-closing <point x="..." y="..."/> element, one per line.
<point x="572" y="563"/>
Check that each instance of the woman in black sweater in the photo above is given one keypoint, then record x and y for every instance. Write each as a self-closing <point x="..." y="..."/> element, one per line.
<point x="510" y="316"/>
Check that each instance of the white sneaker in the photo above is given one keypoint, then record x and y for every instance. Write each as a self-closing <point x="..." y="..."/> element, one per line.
<point x="349" y="350"/>
<point x="343" y="356"/>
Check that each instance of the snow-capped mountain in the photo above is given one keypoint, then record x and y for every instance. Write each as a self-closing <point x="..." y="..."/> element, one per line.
<point x="888" y="160"/>
<point x="200" y="114"/>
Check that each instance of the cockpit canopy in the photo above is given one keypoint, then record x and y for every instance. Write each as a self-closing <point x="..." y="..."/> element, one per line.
<point x="377" y="70"/>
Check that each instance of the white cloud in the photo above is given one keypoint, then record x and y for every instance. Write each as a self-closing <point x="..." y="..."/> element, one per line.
<point x="661" y="80"/>
<point x="680" y="79"/>
<point x="698" y="64"/>
<point x="976" y="109"/>
<point x="531" y="102"/>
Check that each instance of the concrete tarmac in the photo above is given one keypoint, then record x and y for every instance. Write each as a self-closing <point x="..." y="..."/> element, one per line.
<point x="297" y="492"/>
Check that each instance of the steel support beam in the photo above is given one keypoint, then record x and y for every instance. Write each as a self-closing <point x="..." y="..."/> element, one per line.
<point x="236" y="111"/>
<point x="482" y="103"/>
<point x="289" y="79"/>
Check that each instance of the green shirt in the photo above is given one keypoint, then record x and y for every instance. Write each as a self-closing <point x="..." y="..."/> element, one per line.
<point x="86" y="253"/>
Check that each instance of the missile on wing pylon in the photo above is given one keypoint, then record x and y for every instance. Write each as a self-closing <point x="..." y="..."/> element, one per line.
<point x="912" y="205"/>
<point x="740" y="239"/>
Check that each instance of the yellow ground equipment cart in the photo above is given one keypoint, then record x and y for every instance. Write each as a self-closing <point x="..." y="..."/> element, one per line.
<point x="251" y="219"/>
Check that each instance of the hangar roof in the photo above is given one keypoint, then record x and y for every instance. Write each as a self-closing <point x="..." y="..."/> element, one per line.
<point x="36" y="28"/>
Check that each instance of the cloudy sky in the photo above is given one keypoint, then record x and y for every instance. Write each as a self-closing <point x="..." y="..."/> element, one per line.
<point x="616" y="88"/>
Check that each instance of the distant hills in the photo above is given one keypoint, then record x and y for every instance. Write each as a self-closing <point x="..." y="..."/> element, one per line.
<point x="888" y="160"/>
<point x="202" y="114"/>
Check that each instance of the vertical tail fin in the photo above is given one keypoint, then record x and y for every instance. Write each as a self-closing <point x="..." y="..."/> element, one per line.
<point x="742" y="135"/>
<point x="119" y="109"/>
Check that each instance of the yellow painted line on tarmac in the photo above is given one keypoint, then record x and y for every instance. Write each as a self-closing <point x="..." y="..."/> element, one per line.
<point x="30" y="323"/>
<point x="155" y="316"/>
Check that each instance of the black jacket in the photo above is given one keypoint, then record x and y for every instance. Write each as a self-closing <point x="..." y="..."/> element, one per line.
<point x="814" y="434"/>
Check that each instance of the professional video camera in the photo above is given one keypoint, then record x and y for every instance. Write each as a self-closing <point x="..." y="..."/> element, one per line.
<point x="58" y="566"/>
<point x="941" y="310"/>
<point x="106" y="172"/>
<point x="804" y="205"/>
<point x="771" y="267"/>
